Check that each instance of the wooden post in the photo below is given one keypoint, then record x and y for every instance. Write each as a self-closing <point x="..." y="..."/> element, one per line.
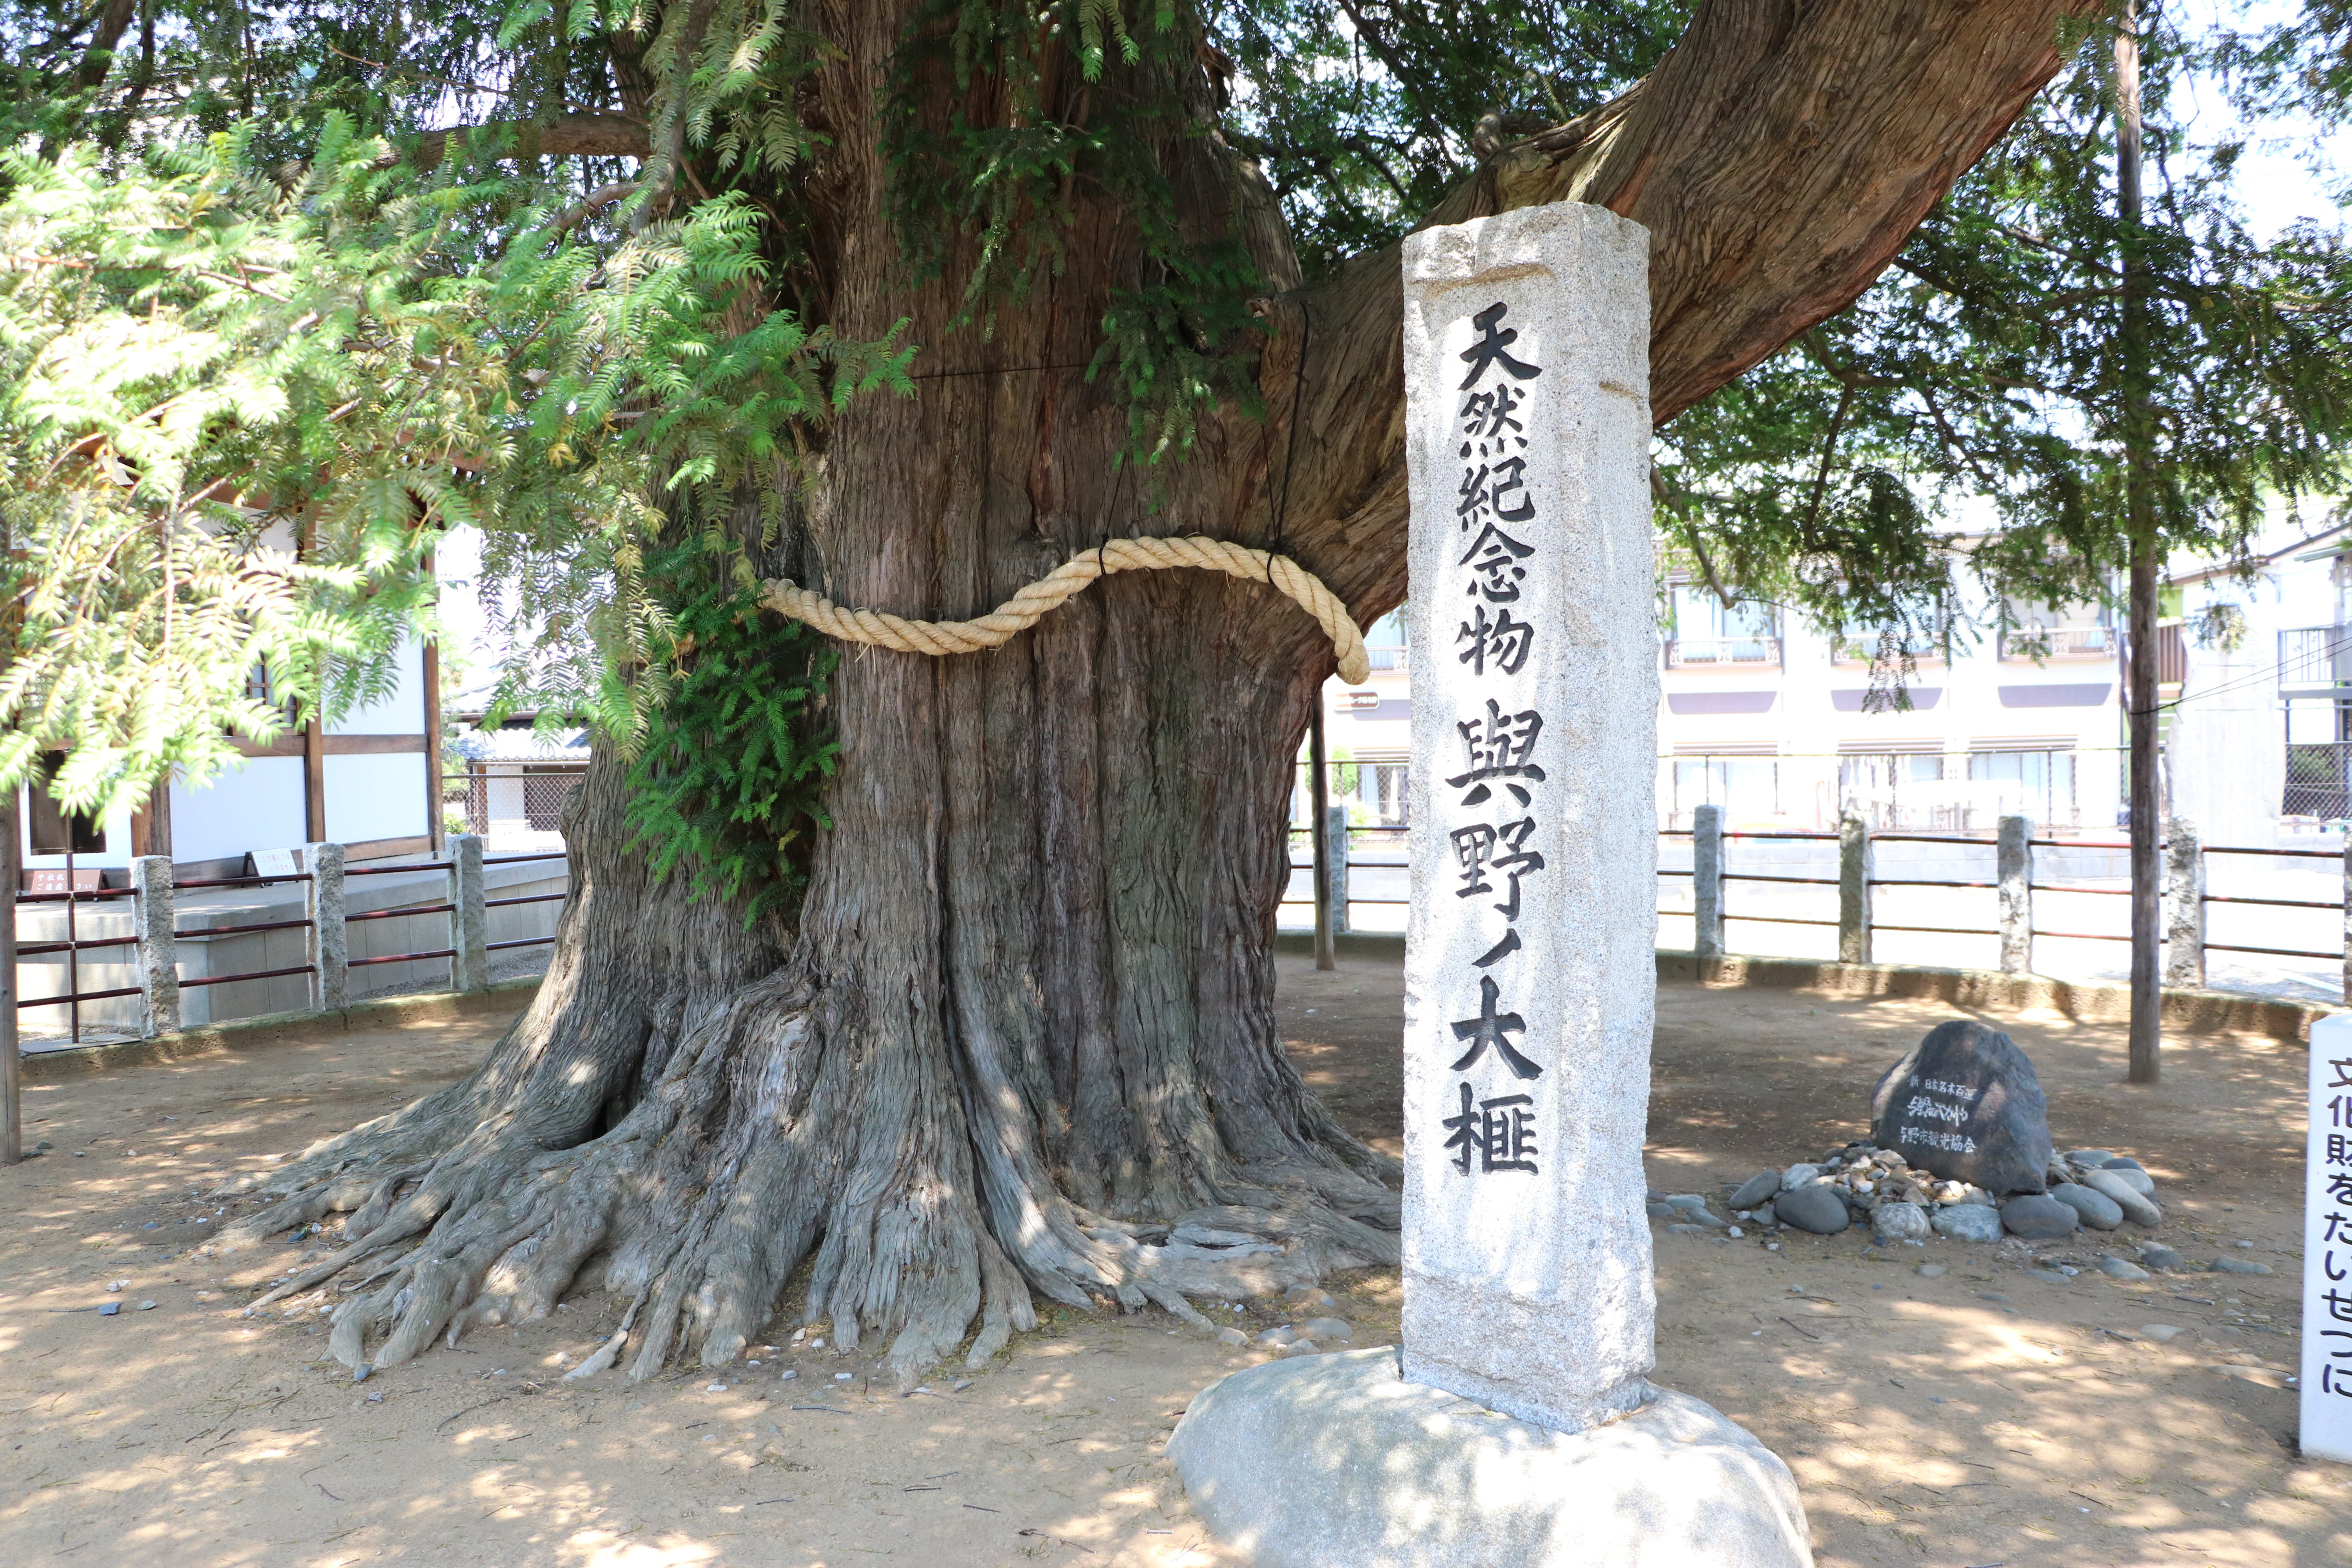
<point x="1320" y="794"/>
<point x="314" y="781"/>
<point x="434" y="826"/>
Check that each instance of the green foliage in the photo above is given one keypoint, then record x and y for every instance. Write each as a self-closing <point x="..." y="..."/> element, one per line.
<point x="1967" y="417"/>
<point x="203" y="370"/>
<point x="731" y="775"/>
<point x="1364" y="120"/>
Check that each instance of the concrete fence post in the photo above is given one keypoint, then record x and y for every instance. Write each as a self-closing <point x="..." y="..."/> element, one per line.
<point x="1855" y="869"/>
<point x="2013" y="851"/>
<point x="1706" y="881"/>
<point x="2184" y="922"/>
<point x="1335" y="855"/>
<point x="331" y="950"/>
<point x="153" y="924"/>
<point x="470" y="922"/>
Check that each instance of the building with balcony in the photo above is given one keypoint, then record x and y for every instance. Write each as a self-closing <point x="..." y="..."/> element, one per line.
<point x="1782" y="725"/>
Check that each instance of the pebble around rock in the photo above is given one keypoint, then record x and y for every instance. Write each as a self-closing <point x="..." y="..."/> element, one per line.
<point x="1757" y="1190"/>
<point x="1892" y="1223"/>
<point x="1967" y="1222"/>
<point x="2099" y="1211"/>
<point x="2239" y="1265"/>
<point x="2156" y="1256"/>
<point x="2117" y="1268"/>
<point x="2036" y="1217"/>
<point x="1816" y="1209"/>
<point x="2138" y="1206"/>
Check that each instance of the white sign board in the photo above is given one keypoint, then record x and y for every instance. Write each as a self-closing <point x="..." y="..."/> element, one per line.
<point x="276" y="863"/>
<point x="2326" y="1380"/>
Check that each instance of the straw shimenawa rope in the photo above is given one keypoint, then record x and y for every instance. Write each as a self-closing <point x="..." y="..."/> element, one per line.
<point x="1024" y="610"/>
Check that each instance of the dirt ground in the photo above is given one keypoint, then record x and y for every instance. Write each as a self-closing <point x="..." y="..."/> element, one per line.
<point x="1987" y="1415"/>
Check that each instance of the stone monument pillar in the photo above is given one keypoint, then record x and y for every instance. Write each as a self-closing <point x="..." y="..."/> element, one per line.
<point x="1528" y="972"/>
<point x="1516" y="1423"/>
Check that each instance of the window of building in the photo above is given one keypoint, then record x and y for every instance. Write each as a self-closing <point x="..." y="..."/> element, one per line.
<point x="1895" y="785"/>
<point x="50" y="830"/>
<point x="2037" y="783"/>
<point x="1384" y="640"/>
<point x="1707" y="631"/>
<point x="1745" y="781"/>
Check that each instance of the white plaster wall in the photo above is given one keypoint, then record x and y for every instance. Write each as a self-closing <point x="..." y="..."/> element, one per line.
<point x="257" y="807"/>
<point x="375" y="797"/>
<point x="400" y="714"/>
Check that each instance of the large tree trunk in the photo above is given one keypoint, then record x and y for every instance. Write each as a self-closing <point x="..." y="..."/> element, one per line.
<point x="1020" y="1037"/>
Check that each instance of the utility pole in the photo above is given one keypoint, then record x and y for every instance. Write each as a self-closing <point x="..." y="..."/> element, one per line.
<point x="2146" y="999"/>
<point x="1318" y="794"/>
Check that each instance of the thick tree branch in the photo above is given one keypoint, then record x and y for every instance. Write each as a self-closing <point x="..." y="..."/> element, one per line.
<point x="1780" y="157"/>
<point x="601" y="135"/>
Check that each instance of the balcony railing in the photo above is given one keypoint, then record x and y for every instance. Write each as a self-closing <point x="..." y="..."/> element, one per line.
<point x="2058" y="642"/>
<point x="1388" y="658"/>
<point x="2316" y="657"/>
<point x="1723" y="653"/>
<point x="1864" y="650"/>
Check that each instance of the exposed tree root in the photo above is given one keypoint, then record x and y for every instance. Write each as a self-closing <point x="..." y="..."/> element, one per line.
<point x="727" y="1173"/>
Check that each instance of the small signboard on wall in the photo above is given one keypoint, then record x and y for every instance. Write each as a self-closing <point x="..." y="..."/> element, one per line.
<point x="53" y="881"/>
<point x="277" y="863"/>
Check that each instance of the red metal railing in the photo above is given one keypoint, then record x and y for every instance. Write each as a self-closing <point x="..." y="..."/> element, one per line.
<point x="207" y="933"/>
<point x="528" y="898"/>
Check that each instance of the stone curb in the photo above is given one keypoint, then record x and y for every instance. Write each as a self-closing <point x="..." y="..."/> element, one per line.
<point x="277" y="1028"/>
<point x="2090" y="1001"/>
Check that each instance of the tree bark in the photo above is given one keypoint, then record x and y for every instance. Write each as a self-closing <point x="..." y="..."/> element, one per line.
<point x="1021" y="1039"/>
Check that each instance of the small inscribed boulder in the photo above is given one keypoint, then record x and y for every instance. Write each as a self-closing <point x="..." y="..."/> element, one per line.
<point x="1965" y="1104"/>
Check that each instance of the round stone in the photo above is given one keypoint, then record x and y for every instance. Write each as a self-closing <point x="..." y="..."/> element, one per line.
<point x="2135" y="1178"/>
<point x="1759" y="1188"/>
<point x="2034" y="1216"/>
<point x="1817" y="1209"/>
<point x="2138" y="1206"/>
<point x="1930" y="1270"/>
<point x="2098" y="1211"/>
<point x="1325" y="1330"/>
<point x="2157" y="1256"/>
<point x="1967" y="1222"/>
<point x="2117" y="1268"/>
<point x="1798" y="1175"/>
<point x="2239" y="1265"/>
<point x="1892" y="1223"/>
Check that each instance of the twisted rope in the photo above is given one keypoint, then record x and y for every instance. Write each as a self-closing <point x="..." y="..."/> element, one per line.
<point x="1026" y="607"/>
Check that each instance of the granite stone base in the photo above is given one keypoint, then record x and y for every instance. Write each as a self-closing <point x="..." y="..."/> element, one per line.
<point x="1335" y="1461"/>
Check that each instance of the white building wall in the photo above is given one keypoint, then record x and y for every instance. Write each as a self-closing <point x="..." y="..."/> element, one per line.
<point x="371" y="798"/>
<point x="257" y="807"/>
